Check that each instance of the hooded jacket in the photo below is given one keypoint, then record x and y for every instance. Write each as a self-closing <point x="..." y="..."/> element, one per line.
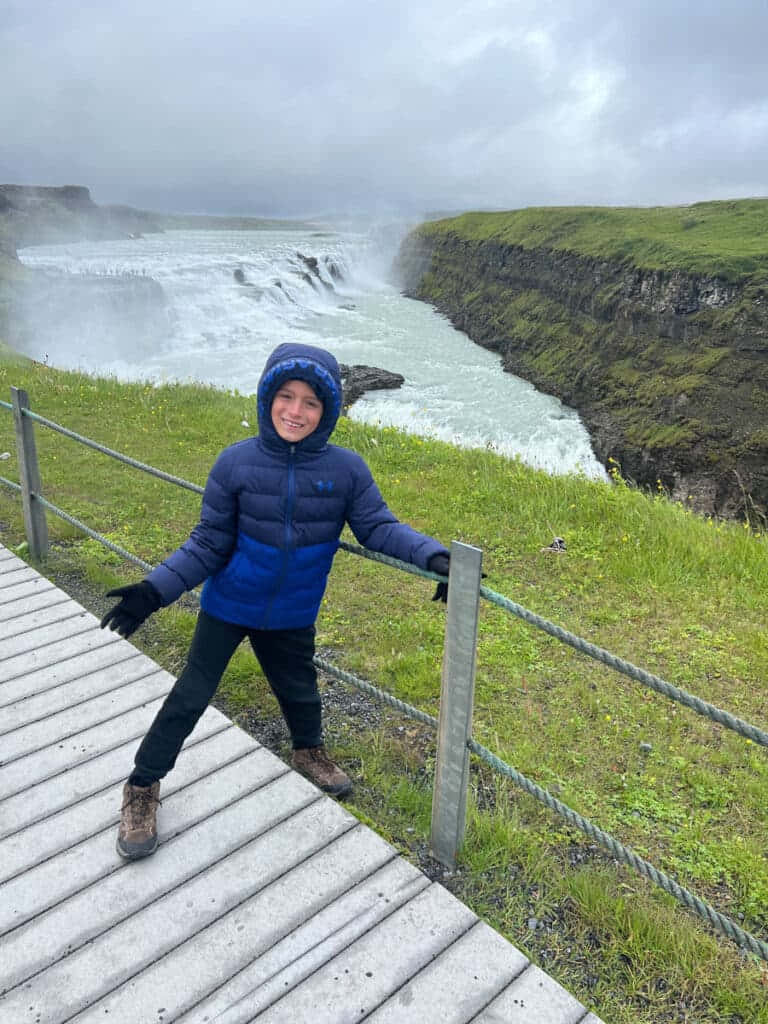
<point x="273" y="511"/>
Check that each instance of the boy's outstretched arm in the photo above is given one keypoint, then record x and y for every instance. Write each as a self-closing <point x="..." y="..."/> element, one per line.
<point x="376" y="527"/>
<point x="207" y="549"/>
<point x="136" y="604"/>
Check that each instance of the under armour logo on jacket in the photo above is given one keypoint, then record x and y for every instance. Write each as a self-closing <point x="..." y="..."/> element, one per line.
<point x="324" y="486"/>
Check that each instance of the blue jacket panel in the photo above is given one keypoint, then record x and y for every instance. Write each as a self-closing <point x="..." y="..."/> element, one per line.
<point x="272" y="513"/>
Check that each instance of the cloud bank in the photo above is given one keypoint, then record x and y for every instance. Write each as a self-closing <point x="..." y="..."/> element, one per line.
<point x="300" y="108"/>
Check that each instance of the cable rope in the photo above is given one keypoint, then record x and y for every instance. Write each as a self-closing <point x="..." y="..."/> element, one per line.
<point x="626" y="668"/>
<point x="143" y="466"/>
<point x="701" y="707"/>
<point x="621" y="853"/>
<point x="93" y="534"/>
<point x="9" y="483"/>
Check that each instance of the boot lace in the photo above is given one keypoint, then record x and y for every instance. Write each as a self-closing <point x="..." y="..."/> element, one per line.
<point x="320" y="756"/>
<point x="138" y="807"/>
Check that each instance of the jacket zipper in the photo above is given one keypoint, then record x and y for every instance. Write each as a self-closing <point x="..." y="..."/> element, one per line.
<point x="286" y="532"/>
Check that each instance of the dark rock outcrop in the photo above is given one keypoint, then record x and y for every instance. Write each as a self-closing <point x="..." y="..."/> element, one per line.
<point x="40" y="311"/>
<point x="312" y="274"/>
<point x="356" y="380"/>
<point x="668" y="369"/>
<point x="39" y="215"/>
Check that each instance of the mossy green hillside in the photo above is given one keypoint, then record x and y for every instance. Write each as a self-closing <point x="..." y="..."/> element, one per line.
<point x="682" y="596"/>
<point x="727" y="238"/>
<point x="668" y="367"/>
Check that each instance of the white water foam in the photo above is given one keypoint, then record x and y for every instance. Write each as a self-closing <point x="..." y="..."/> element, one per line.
<point x="219" y="331"/>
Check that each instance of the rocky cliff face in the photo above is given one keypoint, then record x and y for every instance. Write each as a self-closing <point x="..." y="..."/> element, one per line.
<point x="669" y="370"/>
<point x="37" y="215"/>
<point x="36" y="306"/>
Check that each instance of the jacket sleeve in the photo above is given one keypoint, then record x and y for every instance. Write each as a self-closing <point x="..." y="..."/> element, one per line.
<point x="209" y="545"/>
<point x="375" y="526"/>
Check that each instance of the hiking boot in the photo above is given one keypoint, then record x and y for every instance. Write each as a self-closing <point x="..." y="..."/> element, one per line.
<point x="314" y="763"/>
<point x="137" y="835"/>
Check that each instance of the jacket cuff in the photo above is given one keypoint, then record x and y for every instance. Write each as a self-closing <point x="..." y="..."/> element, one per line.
<point x="168" y="584"/>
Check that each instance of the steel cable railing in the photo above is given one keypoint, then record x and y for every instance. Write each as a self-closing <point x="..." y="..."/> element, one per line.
<point x="618" y="850"/>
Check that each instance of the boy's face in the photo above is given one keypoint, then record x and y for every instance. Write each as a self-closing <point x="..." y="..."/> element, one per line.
<point x="296" y="410"/>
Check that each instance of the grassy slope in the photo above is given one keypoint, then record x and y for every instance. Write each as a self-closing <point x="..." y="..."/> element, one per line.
<point x="682" y="596"/>
<point x="726" y="238"/>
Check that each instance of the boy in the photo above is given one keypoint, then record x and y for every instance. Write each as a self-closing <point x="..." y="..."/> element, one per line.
<point x="272" y="512"/>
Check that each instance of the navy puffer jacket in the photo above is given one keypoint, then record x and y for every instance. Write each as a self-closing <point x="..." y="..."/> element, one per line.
<point x="273" y="511"/>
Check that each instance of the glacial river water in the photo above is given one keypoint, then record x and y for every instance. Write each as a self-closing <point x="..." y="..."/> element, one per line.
<point x="219" y="332"/>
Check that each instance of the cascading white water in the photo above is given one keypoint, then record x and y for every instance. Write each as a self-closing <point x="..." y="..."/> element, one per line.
<point x="233" y="295"/>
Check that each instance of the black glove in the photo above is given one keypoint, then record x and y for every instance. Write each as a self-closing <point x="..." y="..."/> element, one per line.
<point x="440" y="565"/>
<point x="137" y="602"/>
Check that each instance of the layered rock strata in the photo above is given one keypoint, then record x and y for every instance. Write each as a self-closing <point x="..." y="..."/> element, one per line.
<point x="668" y="369"/>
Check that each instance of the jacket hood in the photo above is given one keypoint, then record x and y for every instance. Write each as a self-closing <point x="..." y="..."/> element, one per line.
<point x="320" y="370"/>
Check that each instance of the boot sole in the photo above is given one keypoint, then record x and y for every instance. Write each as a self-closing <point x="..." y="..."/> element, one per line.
<point x="343" y="789"/>
<point x="137" y="853"/>
<point x="337" y="791"/>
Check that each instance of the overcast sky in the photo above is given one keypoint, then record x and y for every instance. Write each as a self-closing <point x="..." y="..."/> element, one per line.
<point x="291" y="107"/>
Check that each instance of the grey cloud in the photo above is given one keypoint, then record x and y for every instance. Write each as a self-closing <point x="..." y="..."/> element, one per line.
<point x="294" y="108"/>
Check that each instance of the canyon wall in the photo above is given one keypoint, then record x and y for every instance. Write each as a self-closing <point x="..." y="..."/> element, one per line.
<point x="668" y="368"/>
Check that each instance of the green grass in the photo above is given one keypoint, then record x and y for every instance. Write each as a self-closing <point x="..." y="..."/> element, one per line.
<point x="722" y="238"/>
<point x="683" y="596"/>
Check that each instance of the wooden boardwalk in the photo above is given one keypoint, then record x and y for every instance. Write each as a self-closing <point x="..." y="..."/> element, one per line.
<point x="266" y="899"/>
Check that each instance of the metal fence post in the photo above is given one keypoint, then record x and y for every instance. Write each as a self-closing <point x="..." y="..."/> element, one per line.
<point x="457" y="694"/>
<point x="29" y="477"/>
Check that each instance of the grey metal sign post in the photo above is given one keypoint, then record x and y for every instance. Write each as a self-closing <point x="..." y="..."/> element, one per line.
<point x="457" y="695"/>
<point x="35" y="523"/>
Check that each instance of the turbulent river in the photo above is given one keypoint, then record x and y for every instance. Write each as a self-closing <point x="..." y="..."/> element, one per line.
<point x="231" y="296"/>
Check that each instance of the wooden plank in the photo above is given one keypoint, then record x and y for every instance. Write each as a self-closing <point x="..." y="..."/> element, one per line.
<point x="49" y="677"/>
<point x="24" y="605"/>
<point x="359" y="979"/>
<point x="92" y="858"/>
<point x="95" y="969"/>
<point x="40" y="706"/>
<point x="265" y="898"/>
<point x="270" y="968"/>
<point x="40" y="619"/>
<point x="72" y="721"/>
<point x="533" y="998"/>
<point x="19" y="776"/>
<point x="33" y="584"/>
<point x="194" y="968"/>
<point x="43" y="764"/>
<point x="52" y="816"/>
<point x="12" y="563"/>
<point x="9" y="557"/>
<point x="458" y="984"/>
<point x="12" y="577"/>
<point x="62" y="650"/>
<point x="78" y="623"/>
<point x="127" y="900"/>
